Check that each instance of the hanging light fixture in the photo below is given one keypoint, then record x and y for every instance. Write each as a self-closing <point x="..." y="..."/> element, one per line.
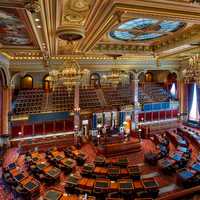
<point x="114" y="77"/>
<point x="68" y="76"/>
<point x="195" y="1"/>
<point x="192" y="72"/>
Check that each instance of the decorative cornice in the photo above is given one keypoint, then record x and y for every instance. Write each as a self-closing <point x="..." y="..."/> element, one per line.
<point x="96" y="64"/>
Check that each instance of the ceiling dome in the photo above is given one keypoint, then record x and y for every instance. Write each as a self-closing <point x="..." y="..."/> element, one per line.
<point x="142" y="29"/>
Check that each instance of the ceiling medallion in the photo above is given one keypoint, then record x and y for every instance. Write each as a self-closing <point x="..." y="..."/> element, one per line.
<point x="72" y="17"/>
<point x="32" y="5"/>
<point x="79" y="5"/>
<point x="71" y="32"/>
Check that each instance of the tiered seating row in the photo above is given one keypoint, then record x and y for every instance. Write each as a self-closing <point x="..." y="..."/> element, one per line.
<point x="30" y="101"/>
<point x="116" y="96"/>
<point x="89" y="99"/>
<point x="154" y="93"/>
<point x="62" y="99"/>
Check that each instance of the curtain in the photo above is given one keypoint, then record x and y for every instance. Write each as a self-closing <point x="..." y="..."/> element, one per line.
<point x="198" y="97"/>
<point x="190" y="95"/>
<point x="94" y="121"/>
<point x="194" y="108"/>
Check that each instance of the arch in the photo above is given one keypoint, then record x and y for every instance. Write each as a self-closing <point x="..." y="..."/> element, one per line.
<point x="2" y="85"/>
<point x="132" y="75"/>
<point x="95" y="80"/>
<point x="141" y="76"/>
<point x="26" y="82"/>
<point x="5" y="75"/>
<point x="47" y="86"/>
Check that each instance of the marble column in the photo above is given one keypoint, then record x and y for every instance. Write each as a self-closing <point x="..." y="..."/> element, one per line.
<point x="76" y="108"/>
<point x="7" y="96"/>
<point x="134" y="92"/>
<point x="182" y="96"/>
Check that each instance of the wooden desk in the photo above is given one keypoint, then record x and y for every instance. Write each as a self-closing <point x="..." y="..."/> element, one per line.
<point x="101" y="171"/>
<point x="30" y="184"/>
<point x="14" y="172"/>
<point x="150" y="184"/>
<point x="124" y="172"/>
<point x="83" y="182"/>
<point x="120" y="148"/>
<point x="126" y="185"/>
<point x="53" y="172"/>
<point x="69" y="197"/>
<point x="102" y="185"/>
<point x="114" y="186"/>
<point x="138" y="185"/>
<point x="52" y="195"/>
<point x="68" y="163"/>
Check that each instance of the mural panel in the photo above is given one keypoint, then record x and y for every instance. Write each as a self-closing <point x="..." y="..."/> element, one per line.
<point x="12" y="29"/>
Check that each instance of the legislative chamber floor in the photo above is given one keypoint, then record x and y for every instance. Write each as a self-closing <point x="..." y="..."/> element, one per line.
<point x="167" y="183"/>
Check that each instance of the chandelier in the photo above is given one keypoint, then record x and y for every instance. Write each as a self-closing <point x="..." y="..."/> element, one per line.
<point x="114" y="78"/>
<point x="195" y="1"/>
<point x="192" y="72"/>
<point x="68" y="76"/>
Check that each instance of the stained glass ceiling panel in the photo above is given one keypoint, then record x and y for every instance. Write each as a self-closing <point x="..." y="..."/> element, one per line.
<point x="144" y="29"/>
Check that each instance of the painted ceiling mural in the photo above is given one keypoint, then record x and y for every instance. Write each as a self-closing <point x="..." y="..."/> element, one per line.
<point x="12" y="29"/>
<point x="143" y="29"/>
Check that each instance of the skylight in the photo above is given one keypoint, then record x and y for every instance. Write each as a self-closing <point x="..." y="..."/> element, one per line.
<point x="144" y="29"/>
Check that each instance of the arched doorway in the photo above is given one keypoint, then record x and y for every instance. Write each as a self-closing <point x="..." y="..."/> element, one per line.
<point x="26" y="82"/>
<point x="148" y="77"/>
<point x="1" y="101"/>
<point x="47" y="83"/>
<point x="171" y="78"/>
<point x="95" y="80"/>
<point x="3" y="83"/>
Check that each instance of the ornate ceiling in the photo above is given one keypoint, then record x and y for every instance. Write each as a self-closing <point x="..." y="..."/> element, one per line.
<point x="158" y="28"/>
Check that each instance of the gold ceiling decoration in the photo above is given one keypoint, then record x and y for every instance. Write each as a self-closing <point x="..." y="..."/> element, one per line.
<point x="33" y="6"/>
<point x="71" y="32"/>
<point x="56" y="24"/>
<point x="71" y="27"/>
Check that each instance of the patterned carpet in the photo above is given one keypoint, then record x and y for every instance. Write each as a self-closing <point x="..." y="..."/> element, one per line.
<point x="167" y="183"/>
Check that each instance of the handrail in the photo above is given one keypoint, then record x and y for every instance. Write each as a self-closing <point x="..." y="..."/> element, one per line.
<point x="179" y="194"/>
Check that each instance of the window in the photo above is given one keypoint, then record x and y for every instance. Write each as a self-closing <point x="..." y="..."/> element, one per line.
<point x="27" y="82"/>
<point x="173" y="90"/>
<point x="194" y="111"/>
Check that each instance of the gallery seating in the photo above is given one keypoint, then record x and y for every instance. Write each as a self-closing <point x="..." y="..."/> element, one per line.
<point x="153" y="92"/>
<point x="61" y="100"/>
<point x="89" y="99"/>
<point x="29" y="101"/>
<point x="117" y="96"/>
